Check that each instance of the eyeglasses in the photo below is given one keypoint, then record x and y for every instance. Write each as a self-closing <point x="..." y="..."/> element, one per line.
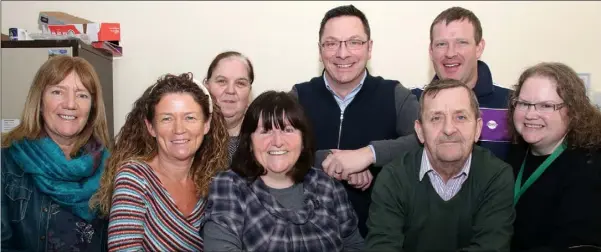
<point x="543" y="107"/>
<point x="353" y="44"/>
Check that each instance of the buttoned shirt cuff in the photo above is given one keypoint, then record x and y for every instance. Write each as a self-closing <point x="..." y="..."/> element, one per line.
<point x="373" y="152"/>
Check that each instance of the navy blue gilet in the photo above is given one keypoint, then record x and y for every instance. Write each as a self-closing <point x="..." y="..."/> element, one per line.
<point x="370" y="116"/>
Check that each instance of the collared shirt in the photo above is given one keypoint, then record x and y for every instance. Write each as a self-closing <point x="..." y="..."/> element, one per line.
<point x="344" y="102"/>
<point x="453" y="185"/>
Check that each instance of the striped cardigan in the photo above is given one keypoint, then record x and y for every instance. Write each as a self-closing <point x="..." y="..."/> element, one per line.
<point x="144" y="217"/>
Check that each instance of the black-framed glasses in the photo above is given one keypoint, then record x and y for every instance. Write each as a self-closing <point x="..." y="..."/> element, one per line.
<point x="544" y="107"/>
<point x="352" y="44"/>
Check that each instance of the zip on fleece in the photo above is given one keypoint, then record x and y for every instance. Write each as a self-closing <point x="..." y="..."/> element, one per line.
<point x="340" y="128"/>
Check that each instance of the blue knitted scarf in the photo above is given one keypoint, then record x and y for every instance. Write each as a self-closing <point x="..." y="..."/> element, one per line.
<point x="69" y="183"/>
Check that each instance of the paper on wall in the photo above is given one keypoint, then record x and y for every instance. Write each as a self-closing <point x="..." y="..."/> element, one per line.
<point x="586" y="78"/>
<point x="595" y="98"/>
<point x="9" y="124"/>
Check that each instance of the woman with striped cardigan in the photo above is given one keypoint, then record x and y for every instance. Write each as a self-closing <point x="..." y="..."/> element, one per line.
<point x="154" y="188"/>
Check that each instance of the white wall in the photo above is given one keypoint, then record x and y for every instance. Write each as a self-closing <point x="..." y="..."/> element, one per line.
<point x="281" y="38"/>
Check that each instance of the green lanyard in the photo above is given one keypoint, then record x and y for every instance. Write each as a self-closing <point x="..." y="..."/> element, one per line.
<point x="519" y="189"/>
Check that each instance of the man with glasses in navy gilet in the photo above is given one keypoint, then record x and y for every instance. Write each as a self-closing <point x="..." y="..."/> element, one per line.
<point x="350" y="109"/>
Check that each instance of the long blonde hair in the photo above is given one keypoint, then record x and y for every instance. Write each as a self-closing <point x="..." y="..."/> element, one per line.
<point x="134" y="142"/>
<point x="52" y="72"/>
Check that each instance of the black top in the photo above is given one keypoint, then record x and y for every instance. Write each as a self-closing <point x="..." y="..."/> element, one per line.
<point x="562" y="208"/>
<point x="68" y="232"/>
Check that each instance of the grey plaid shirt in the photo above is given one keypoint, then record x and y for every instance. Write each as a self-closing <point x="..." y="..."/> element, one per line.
<point x="262" y="224"/>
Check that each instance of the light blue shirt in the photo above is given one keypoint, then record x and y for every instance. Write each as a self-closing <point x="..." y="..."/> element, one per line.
<point x="344" y="102"/>
<point x="449" y="189"/>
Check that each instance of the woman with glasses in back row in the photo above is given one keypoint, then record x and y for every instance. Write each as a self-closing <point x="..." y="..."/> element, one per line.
<point x="556" y="161"/>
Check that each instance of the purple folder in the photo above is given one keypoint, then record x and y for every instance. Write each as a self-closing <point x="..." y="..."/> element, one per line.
<point x="494" y="125"/>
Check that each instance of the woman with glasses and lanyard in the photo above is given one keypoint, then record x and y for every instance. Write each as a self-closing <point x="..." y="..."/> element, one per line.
<point x="556" y="160"/>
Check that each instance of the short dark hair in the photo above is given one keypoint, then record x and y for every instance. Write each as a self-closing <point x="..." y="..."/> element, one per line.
<point x="458" y="14"/>
<point x="437" y="85"/>
<point x="274" y="108"/>
<point x="345" y="10"/>
<point x="225" y="55"/>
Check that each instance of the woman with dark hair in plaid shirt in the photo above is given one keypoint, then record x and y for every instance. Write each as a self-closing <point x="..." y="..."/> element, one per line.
<point x="272" y="199"/>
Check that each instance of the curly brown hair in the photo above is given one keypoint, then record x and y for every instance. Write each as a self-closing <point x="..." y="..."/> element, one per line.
<point x="584" y="117"/>
<point x="134" y="142"/>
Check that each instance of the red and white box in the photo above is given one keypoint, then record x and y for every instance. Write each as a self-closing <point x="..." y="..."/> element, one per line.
<point x="61" y="23"/>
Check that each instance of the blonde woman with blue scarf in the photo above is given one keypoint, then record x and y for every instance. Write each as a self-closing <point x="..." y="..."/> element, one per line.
<point x="52" y="162"/>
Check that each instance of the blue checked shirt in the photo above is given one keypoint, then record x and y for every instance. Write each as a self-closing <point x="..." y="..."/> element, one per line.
<point x="262" y="224"/>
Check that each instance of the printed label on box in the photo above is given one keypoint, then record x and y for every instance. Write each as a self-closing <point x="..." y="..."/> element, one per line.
<point x="9" y="124"/>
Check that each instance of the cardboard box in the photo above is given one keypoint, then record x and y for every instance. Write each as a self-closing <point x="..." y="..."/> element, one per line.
<point x="61" y="23"/>
<point x="60" y="18"/>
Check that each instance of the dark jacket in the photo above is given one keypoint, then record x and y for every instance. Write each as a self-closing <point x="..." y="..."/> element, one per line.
<point x="26" y="212"/>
